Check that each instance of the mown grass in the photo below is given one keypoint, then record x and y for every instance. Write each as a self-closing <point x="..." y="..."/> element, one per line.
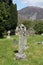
<point x="34" y="52"/>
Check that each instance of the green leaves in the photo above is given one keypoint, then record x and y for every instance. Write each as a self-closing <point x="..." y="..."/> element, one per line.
<point x="39" y="27"/>
<point x="27" y="24"/>
<point x="8" y="15"/>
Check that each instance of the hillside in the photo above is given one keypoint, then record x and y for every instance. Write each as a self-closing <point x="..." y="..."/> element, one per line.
<point x="30" y="13"/>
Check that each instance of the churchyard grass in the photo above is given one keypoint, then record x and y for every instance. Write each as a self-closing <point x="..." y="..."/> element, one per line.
<point x="34" y="52"/>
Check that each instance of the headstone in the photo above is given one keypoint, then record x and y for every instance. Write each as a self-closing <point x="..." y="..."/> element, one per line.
<point x="42" y="42"/>
<point x="22" y="41"/>
<point x="42" y="34"/>
<point x="8" y="34"/>
<point x="15" y="41"/>
<point x="31" y="31"/>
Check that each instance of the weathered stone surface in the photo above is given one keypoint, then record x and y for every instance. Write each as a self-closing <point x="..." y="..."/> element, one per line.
<point x="8" y="34"/>
<point x="21" y="29"/>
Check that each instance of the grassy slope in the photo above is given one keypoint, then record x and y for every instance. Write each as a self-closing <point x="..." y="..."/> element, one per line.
<point x="34" y="52"/>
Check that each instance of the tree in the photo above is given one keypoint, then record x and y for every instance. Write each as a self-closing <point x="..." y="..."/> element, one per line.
<point x="38" y="27"/>
<point x="1" y="27"/>
<point x="10" y="2"/>
<point x="13" y="17"/>
<point x="8" y="16"/>
<point x="4" y="13"/>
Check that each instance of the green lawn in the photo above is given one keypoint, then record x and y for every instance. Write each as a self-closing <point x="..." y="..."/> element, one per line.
<point x="34" y="52"/>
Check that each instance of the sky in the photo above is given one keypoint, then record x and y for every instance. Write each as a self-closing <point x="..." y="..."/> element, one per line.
<point x="24" y="3"/>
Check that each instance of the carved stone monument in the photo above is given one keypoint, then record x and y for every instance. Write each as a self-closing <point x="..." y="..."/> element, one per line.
<point x="21" y="29"/>
<point x="8" y="34"/>
<point x="42" y="34"/>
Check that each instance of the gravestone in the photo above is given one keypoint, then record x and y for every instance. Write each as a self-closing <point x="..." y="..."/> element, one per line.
<point x="15" y="41"/>
<point x="21" y="29"/>
<point x="8" y="36"/>
<point x="42" y="34"/>
<point x="42" y="42"/>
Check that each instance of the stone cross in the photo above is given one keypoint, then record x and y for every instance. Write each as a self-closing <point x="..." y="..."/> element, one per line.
<point x="22" y="40"/>
<point x="8" y="34"/>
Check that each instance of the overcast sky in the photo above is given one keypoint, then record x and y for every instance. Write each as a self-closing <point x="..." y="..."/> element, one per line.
<point x="24" y="3"/>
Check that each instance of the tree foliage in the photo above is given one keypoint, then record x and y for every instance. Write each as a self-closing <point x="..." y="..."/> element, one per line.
<point x="13" y="16"/>
<point x="39" y="27"/>
<point x="27" y="24"/>
<point x="8" y="15"/>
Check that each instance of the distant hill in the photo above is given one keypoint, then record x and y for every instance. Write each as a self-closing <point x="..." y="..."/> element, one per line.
<point x="30" y="13"/>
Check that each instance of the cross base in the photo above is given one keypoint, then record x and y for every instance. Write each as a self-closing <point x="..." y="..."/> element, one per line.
<point x="20" y="56"/>
<point x="8" y="37"/>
